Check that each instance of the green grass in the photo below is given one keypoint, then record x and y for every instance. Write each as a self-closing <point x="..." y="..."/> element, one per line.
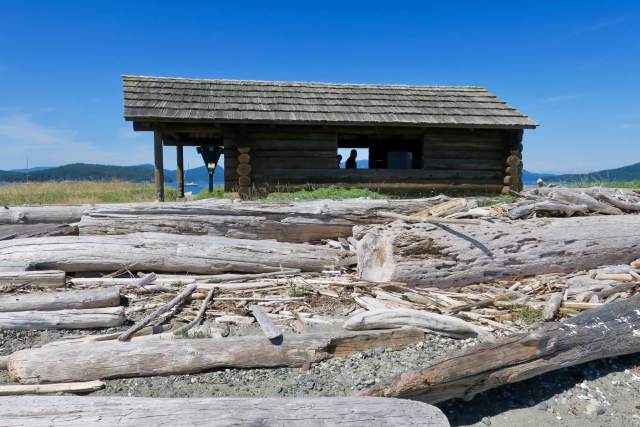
<point x="218" y="193"/>
<point x="495" y="200"/>
<point x="329" y="192"/>
<point x="79" y="192"/>
<point x="527" y="314"/>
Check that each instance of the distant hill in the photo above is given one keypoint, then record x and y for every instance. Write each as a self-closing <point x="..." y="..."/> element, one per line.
<point x="82" y="171"/>
<point x="625" y="173"/>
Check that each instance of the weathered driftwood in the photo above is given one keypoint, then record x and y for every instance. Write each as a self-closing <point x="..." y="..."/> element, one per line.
<point x="20" y="231"/>
<point x="31" y="411"/>
<point x="115" y="359"/>
<point x="607" y="331"/>
<point x="431" y="322"/>
<point x="552" y="306"/>
<point x="22" y="389"/>
<point x="44" y="278"/>
<point x="63" y="319"/>
<point x="154" y="315"/>
<point x="444" y="256"/>
<point x="48" y="301"/>
<point x="57" y="214"/>
<point x="294" y="221"/>
<point x="203" y="308"/>
<point x="547" y="206"/>
<point x="166" y="253"/>
<point x="266" y="324"/>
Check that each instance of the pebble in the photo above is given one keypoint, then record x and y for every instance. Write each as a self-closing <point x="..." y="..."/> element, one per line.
<point x="486" y="421"/>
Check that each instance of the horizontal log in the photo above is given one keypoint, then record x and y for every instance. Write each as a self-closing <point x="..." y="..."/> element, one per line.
<point x="374" y="175"/>
<point x="23" y="389"/>
<point x="49" y="301"/>
<point x="63" y="319"/>
<point x="607" y="331"/>
<point x="116" y="359"/>
<point x="30" y="411"/>
<point x="166" y="253"/>
<point x="299" y="221"/>
<point x="41" y="214"/>
<point x="459" y="255"/>
<point x="449" y="152"/>
<point x="18" y="231"/>
<point x="468" y="163"/>
<point x="258" y="163"/>
<point x="42" y="278"/>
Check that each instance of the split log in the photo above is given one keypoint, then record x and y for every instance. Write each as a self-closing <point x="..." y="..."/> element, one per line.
<point x="22" y="389"/>
<point x="430" y="322"/>
<point x="165" y="253"/>
<point x="66" y="362"/>
<point x="547" y="206"/>
<point x="44" y="278"/>
<point x="444" y="256"/>
<point x="293" y="221"/>
<point x="31" y="411"/>
<point x="63" y="319"/>
<point x="607" y="331"/>
<point x="49" y="301"/>
<point x="266" y="324"/>
<point x="21" y="231"/>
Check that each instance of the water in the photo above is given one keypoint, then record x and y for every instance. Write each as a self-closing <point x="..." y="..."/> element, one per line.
<point x="201" y="185"/>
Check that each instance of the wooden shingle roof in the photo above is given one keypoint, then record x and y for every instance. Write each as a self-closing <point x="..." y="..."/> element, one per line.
<point x="243" y="101"/>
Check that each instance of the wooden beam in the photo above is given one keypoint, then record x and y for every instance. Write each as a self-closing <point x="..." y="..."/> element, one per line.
<point x="159" y="166"/>
<point x="180" y="170"/>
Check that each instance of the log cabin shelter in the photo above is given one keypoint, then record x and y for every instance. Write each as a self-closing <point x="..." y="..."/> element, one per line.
<point x="275" y="134"/>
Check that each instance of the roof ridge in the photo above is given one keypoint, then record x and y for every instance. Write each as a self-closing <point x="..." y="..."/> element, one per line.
<point x="294" y="82"/>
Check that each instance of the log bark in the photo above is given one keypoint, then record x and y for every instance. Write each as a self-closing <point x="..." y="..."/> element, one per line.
<point x="296" y="221"/>
<point x="43" y="278"/>
<point x="22" y="389"/>
<point x="431" y="322"/>
<point x="608" y="331"/>
<point x="49" y="301"/>
<point x="63" y="319"/>
<point x="30" y="411"/>
<point x="458" y="255"/>
<point x="116" y="359"/>
<point x="165" y="253"/>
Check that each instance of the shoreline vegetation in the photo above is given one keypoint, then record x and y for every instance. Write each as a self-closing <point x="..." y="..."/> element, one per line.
<point x="79" y="192"/>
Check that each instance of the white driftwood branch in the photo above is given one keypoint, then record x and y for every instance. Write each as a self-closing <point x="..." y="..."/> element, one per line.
<point x="78" y="387"/>
<point x="63" y="319"/>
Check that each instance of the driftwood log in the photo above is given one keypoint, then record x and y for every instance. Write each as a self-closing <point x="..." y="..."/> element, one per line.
<point x="30" y="411"/>
<point x="165" y="253"/>
<point x="116" y="359"/>
<point x="43" y="278"/>
<point x="431" y="322"/>
<point x="48" y="301"/>
<point x="63" y="319"/>
<point x="55" y="214"/>
<point x="457" y="255"/>
<point x="607" y="331"/>
<point x="20" y="231"/>
<point x="293" y="221"/>
<point x="22" y="389"/>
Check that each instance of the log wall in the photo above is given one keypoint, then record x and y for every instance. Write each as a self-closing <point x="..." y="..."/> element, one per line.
<point x="466" y="159"/>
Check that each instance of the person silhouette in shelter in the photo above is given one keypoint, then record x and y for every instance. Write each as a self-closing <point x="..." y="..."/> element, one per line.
<point x="351" y="161"/>
<point x="339" y="160"/>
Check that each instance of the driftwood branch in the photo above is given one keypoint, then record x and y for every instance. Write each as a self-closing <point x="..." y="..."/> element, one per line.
<point x="266" y="324"/>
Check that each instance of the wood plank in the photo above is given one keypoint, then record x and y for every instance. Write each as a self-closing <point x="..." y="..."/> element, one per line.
<point x="63" y="319"/>
<point x="49" y="301"/>
<point x="77" y="387"/>
<point x="158" y="172"/>
<point x="41" y="278"/>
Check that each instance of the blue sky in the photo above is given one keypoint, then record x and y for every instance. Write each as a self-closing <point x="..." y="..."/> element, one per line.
<point x="571" y="65"/>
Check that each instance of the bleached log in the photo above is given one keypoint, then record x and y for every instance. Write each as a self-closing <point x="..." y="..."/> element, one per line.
<point x="444" y="209"/>
<point x="62" y="214"/>
<point x="165" y="253"/>
<point x="49" y="301"/>
<point x="63" y="319"/>
<point x="431" y="322"/>
<point x="31" y="411"/>
<point x="607" y="331"/>
<point x="117" y="359"/>
<point x="547" y="206"/>
<point x="613" y="199"/>
<point x="552" y="306"/>
<point x="291" y="221"/>
<point x="443" y="256"/>
<point x="44" y="278"/>
<point x="23" y="389"/>
<point x="266" y="324"/>
<point x="21" y="231"/>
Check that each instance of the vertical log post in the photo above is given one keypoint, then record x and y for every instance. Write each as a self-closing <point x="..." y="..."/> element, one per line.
<point x="159" y="167"/>
<point x="180" y="170"/>
<point x="513" y="164"/>
<point x="244" y="171"/>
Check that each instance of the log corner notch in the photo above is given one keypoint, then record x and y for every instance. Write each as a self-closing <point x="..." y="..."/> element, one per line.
<point x="158" y="172"/>
<point x="244" y="171"/>
<point x="512" y="180"/>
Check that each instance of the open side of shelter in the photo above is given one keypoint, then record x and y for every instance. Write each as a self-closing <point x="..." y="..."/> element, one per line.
<point x="285" y="134"/>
